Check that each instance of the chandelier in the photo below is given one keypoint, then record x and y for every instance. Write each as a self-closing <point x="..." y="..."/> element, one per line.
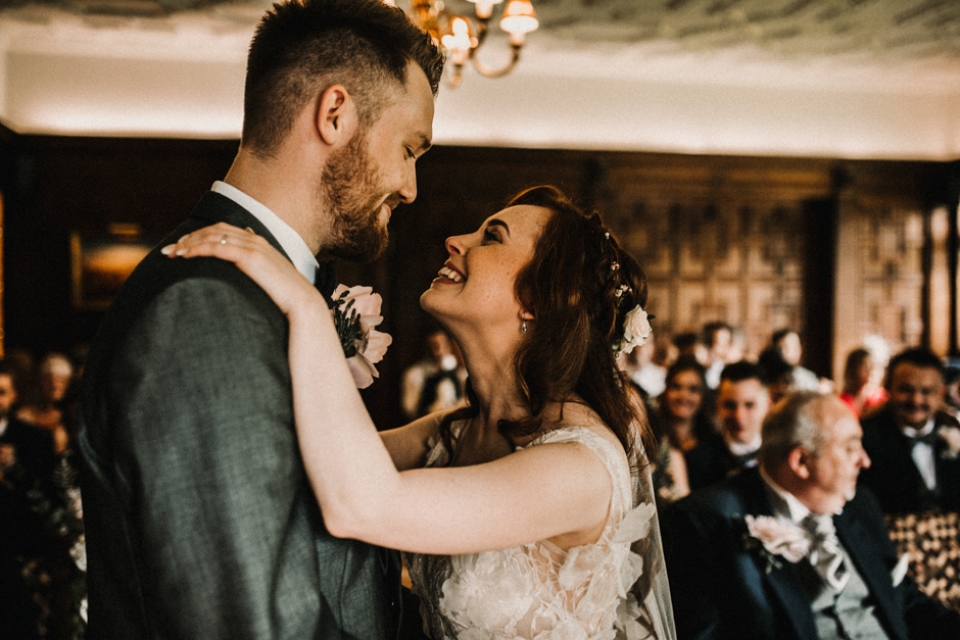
<point x="460" y="39"/>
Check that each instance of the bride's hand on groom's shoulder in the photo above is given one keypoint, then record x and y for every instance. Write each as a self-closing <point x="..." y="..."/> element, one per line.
<point x="255" y="257"/>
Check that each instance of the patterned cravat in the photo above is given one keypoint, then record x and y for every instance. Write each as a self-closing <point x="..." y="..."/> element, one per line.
<point x="826" y="555"/>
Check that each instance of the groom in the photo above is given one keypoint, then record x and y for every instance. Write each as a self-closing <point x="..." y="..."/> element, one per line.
<point x="200" y="522"/>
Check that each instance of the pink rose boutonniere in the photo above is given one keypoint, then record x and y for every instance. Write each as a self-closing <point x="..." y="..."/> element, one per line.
<point x="356" y="313"/>
<point x="775" y="538"/>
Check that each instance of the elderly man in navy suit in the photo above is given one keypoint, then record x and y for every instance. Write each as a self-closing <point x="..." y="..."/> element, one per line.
<point x="791" y="550"/>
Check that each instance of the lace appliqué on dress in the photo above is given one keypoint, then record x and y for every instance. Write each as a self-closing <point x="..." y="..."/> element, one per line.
<point x="538" y="591"/>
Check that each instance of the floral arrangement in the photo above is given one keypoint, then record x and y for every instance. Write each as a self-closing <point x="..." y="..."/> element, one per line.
<point x="62" y="517"/>
<point x="776" y="538"/>
<point x="951" y="436"/>
<point x="636" y="330"/>
<point x="356" y="313"/>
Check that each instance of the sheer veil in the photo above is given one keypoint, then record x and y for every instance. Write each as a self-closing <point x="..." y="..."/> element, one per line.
<point x="654" y="615"/>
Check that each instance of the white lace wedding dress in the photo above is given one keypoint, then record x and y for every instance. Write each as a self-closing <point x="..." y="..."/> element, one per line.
<point x="614" y="589"/>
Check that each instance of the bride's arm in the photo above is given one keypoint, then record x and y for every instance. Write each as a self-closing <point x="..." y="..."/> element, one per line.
<point x="533" y="494"/>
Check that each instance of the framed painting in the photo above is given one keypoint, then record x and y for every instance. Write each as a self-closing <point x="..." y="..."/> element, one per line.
<point x="100" y="265"/>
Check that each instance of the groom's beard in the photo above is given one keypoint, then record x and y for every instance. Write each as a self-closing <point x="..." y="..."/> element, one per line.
<point x="351" y="192"/>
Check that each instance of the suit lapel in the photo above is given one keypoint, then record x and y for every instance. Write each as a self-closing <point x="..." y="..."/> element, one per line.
<point x="784" y="581"/>
<point x="857" y="543"/>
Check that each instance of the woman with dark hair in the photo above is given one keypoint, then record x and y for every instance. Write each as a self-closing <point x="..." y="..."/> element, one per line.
<point x="863" y="381"/>
<point x="681" y="406"/>
<point x="536" y="517"/>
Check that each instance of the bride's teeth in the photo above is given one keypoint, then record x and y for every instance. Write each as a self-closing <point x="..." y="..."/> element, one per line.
<point x="450" y="274"/>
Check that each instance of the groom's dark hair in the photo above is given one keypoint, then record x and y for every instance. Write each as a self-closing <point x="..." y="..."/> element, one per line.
<point x="301" y="47"/>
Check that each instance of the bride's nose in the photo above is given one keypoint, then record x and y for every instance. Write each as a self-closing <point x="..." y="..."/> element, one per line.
<point x="456" y="245"/>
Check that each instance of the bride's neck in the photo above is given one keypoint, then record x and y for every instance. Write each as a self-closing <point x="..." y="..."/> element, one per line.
<point x="494" y="380"/>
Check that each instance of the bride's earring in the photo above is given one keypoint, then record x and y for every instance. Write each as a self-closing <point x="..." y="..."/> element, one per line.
<point x="523" y="327"/>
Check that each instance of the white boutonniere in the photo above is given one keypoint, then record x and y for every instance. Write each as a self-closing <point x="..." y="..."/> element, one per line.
<point x="776" y="538"/>
<point x="356" y="313"/>
<point x="950" y="435"/>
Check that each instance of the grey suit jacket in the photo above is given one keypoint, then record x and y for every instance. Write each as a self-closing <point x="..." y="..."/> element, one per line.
<point x="200" y="521"/>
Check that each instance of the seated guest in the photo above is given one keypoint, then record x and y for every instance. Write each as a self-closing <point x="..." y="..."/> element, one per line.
<point x="437" y="381"/>
<point x="778" y="375"/>
<point x="56" y="373"/>
<point x="791" y="550"/>
<point x="787" y="343"/>
<point x="742" y="403"/>
<point x="681" y="407"/>
<point x="951" y="391"/>
<point x="863" y="382"/>
<point x="718" y="339"/>
<point x="915" y="450"/>
<point x="26" y="466"/>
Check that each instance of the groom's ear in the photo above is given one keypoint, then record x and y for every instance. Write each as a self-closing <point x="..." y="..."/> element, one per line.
<point x="336" y="115"/>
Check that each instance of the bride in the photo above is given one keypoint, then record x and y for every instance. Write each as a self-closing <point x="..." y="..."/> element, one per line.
<point x="529" y="513"/>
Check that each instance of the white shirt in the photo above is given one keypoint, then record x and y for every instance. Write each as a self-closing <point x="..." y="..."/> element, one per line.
<point x="923" y="454"/>
<point x="300" y="254"/>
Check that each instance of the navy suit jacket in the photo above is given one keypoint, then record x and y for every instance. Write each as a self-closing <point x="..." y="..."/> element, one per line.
<point x="200" y="520"/>
<point x="710" y="461"/>
<point x="722" y="588"/>
<point x="893" y="475"/>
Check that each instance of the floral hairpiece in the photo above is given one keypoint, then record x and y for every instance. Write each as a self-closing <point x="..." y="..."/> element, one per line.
<point x="356" y="311"/>
<point x="636" y="331"/>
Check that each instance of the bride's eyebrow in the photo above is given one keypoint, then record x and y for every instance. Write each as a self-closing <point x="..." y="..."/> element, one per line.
<point x="495" y="222"/>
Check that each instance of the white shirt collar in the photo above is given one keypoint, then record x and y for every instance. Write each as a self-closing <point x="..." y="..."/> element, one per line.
<point x="739" y="448"/>
<point x="300" y="254"/>
<point x="910" y="432"/>
<point x="3" y="425"/>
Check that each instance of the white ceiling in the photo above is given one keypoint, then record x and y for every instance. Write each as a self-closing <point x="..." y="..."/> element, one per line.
<point x="832" y="78"/>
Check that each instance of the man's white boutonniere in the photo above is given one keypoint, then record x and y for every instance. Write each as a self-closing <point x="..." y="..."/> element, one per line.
<point x="636" y="330"/>
<point x="356" y="311"/>
<point x="951" y="436"/>
<point x="776" y="538"/>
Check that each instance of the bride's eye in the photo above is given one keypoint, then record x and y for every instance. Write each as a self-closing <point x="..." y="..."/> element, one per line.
<point x="490" y="236"/>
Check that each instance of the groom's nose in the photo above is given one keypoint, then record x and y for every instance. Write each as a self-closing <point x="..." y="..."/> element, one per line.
<point x="408" y="190"/>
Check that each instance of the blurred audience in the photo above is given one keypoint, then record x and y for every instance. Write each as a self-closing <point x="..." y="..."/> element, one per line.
<point x="951" y="391"/>
<point x="643" y="370"/>
<point x="719" y="343"/>
<point x="688" y="343"/>
<point x="437" y="381"/>
<point x="915" y="450"/>
<point x="26" y="471"/>
<point x="791" y="549"/>
<point x="787" y="343"/>
<point x="741" y="405"/>
<point x="680" y="409"/>
<point x="863" y="382"/>
<point x="56" y="374"/>
<point x="778" y="374"/>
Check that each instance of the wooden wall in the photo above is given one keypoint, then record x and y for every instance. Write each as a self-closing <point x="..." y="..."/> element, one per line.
<point x="835" y="248"/>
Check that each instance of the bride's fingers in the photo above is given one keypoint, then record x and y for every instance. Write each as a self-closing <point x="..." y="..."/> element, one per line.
<point x="220" y="241"/>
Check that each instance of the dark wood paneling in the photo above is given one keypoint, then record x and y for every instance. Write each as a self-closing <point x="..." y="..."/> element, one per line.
<point x="759" y="226"/>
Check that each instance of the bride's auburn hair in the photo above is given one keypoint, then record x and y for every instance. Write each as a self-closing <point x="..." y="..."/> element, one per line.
<point x="578" y="286"/>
